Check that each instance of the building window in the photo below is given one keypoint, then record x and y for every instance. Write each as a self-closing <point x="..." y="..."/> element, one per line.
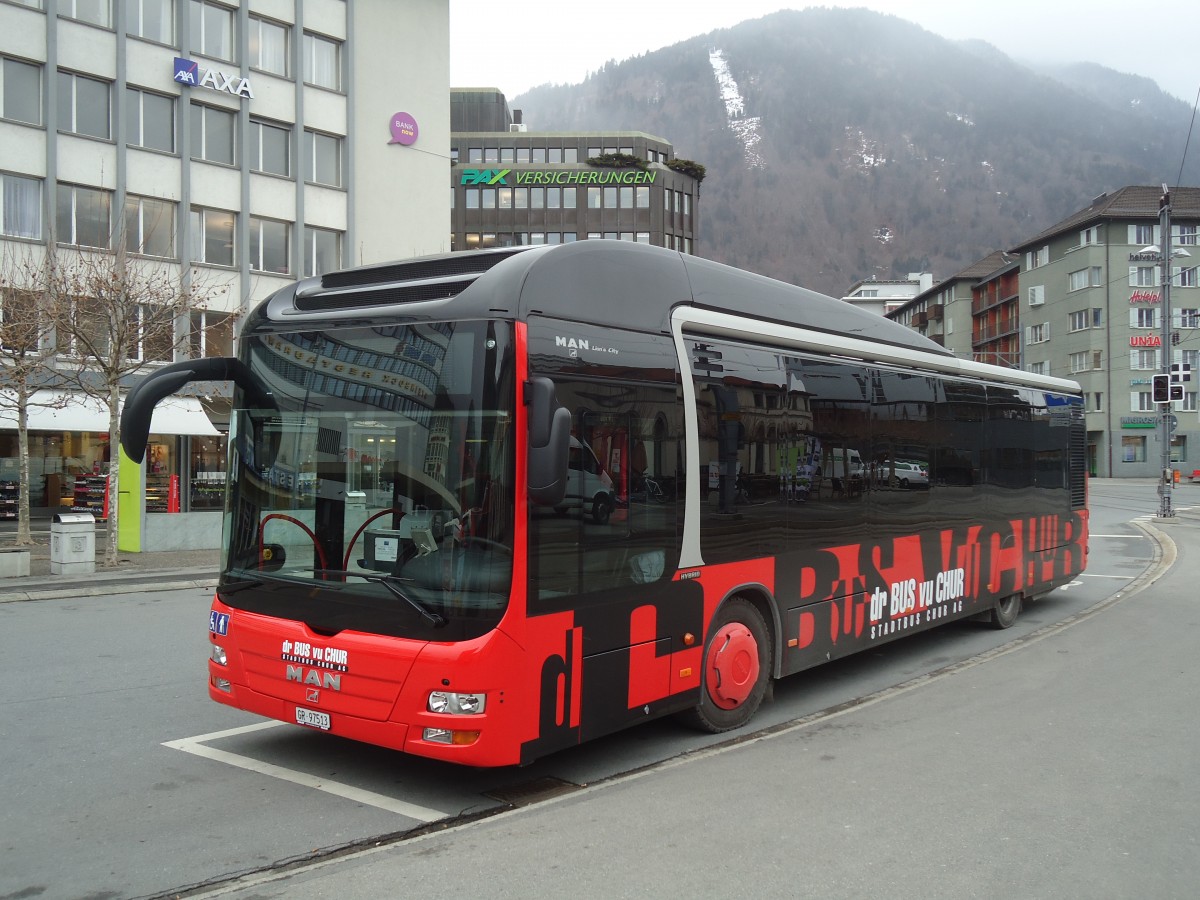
<point x="269" y="245"/>
<point x="1039" y="257"/>
<point x="1097" y="316"/>
<point x="83" y="105"/>
<point x="322" y="251"/>
<point x="1186" y="234"/>
<point x="153" y="20"/>
<point x="1081" y="319"/>
<point x="83" y="216"/>
<point x="1037" y="295"/>
<point x="1143" y="276"/>
<point x="213" y="133"/>
<point x="1186" y="318"/>
<point x="150" y="120"/>
<point x="1143" y="360"/>
<point x="471" y="198"/>
<point x="210" y="334"/>
<point x="1038" y="368"/>
<point x="1083" y="278"/>
<point x="1186" y="277"/>
<point x="1133" y="449"/>
<point x="21" y="92"/>
<point x="323" y="158"/>
<point x="269" y="148"/>
<point x="150" y="226"/>
<point x="1140" y="401"/>
<point x="20" y="320"/>
<point x="322" y="61"/>
<point x="212" y="236"/>
<point x="269" y="46"/>
<point x="1081" y="361"/>
<point x="94" y="12"/>
<point x="568" y="197"/>
<point x="1142" y="235"/>
<point x="1179" y="446"/>
<point x="1037" y="334"/>
<point x="212" y="29"/>
<point x="1189" y="402"/>
<point x="21" y="206"/>
<point x="1142" y="317"/>
<point x="155" y="334"/>
<point x="1089" y="236"/>
<point x="643" y="197"/>
<point x="593" y="198"/>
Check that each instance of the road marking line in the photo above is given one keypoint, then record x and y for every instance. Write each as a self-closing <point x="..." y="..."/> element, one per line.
<point x="1092" y="534"/>
<point x="197" y="747"/>
<point x="1096" y="575"/>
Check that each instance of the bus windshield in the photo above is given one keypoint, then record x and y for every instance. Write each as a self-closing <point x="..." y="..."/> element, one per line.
<point x="376" y="493"/>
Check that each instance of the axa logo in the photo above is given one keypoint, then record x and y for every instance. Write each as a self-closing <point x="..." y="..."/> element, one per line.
<point x="315" y="678"/>
<point x="484" y="176"/>
<point x="188" y="71"/>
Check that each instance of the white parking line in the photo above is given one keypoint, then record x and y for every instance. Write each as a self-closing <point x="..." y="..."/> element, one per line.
<point x="198" y="747"/>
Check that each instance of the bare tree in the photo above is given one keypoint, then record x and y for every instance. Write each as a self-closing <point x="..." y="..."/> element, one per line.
<point x="116" y="315"/>
<point x="26" y="359"/>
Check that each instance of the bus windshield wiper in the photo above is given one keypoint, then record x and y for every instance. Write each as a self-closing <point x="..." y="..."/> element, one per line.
<point x="232" y="587"/>
<point x="392" y="583"/>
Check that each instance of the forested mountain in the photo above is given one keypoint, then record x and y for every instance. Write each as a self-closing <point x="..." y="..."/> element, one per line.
<point x="846" y="144"/>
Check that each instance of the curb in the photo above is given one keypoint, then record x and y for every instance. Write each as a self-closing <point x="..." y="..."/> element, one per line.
<point x="145" y="583"/>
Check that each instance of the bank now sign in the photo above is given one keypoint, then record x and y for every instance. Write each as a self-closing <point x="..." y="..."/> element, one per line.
<point x="189" y="72"/>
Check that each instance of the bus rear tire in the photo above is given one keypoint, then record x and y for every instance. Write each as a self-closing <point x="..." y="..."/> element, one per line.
<point x="735" y="671"/>
<point x="1004" y="613"/>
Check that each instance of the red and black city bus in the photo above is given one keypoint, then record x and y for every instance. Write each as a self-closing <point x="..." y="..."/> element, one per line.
<point x="484" y="506"/>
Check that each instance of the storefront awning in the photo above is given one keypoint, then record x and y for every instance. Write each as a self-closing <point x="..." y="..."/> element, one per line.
<point x="52" y="410"/>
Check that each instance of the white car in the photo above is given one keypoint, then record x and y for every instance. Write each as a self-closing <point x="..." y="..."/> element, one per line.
<point x="911" y="475"/>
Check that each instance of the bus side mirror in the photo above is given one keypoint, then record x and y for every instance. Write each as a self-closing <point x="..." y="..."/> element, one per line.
<point x="549" y="442"/>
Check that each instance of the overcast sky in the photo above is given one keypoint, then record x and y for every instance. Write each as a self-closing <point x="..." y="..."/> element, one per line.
<point x="517" y="46"/>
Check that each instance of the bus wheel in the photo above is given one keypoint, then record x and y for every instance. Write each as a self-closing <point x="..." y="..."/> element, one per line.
<point x="735" y="671"/>
<point x="1004" y="613"/>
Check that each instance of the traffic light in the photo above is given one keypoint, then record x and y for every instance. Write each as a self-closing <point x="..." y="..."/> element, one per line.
<point x="1176" y="392"/>
<point x="1162" y="388"/>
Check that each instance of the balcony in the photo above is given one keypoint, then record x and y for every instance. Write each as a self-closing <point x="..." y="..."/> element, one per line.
<point x="994" y="330"/>
<point x="919" y="319"/>
<point x="987" y="301"/>
<point x="936" y="312"/>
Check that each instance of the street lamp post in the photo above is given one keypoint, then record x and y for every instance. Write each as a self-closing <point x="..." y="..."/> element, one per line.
<point x="1166" y="483"/>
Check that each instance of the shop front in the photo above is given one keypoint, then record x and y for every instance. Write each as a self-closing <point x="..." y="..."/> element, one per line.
<point x="70" y="458"/>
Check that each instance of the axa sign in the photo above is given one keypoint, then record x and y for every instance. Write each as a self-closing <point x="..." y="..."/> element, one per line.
<point x="188" y="71"/>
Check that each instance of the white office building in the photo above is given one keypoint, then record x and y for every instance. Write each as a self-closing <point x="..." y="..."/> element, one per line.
<point x="239" y="146"/>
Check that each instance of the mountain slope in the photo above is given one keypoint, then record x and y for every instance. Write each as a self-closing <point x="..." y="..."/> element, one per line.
<point x="846" y="144"/>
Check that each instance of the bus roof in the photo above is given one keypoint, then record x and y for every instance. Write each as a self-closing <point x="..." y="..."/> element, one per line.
<point x="607" y="283"/>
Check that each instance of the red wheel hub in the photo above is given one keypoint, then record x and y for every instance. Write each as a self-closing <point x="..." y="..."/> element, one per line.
<point x="731" y="667"/>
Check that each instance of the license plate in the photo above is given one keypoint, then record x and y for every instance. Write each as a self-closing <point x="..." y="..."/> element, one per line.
<point x="312" y="718"/>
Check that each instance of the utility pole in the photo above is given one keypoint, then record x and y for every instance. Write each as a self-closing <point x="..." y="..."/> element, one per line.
<point x="1166" y="483"/>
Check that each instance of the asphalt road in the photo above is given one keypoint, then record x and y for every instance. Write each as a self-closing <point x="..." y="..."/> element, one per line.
<point x="948" y="763"/>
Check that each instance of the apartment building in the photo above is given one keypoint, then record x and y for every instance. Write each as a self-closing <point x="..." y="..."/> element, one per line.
<point x="1091" y="309"/>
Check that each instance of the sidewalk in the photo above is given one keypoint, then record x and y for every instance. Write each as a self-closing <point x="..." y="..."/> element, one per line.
<point x="162" y="570"/>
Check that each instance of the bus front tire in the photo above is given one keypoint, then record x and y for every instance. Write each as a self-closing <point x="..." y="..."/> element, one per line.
<point x="735" y="671"/>
<point x="1004" y="613"/>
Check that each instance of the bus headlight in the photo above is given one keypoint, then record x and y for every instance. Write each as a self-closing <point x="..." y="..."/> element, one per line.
<point x="457" y="704"/>
<point x="217" y="654"/>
